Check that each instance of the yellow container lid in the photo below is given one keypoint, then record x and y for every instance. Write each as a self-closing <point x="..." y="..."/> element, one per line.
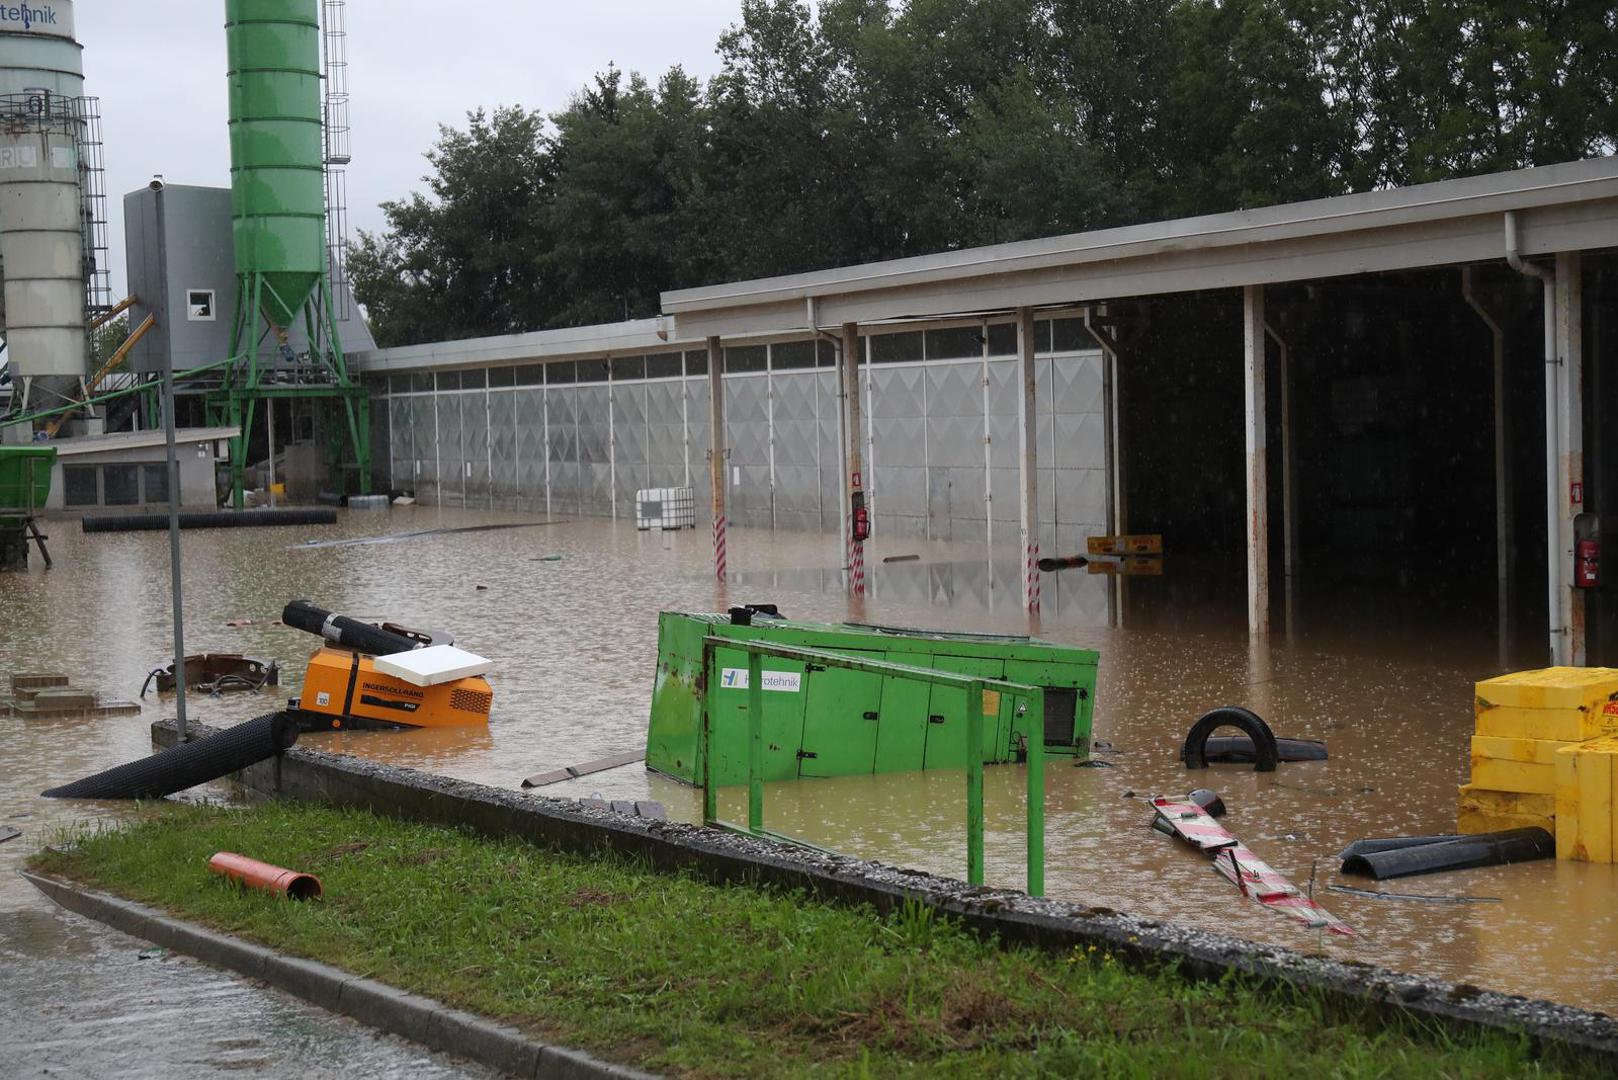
<point x="1550" y="688"/>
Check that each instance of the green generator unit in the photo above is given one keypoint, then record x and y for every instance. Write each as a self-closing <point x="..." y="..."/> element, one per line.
<point x="25" y="484"/>
<point x="835" y="722"/>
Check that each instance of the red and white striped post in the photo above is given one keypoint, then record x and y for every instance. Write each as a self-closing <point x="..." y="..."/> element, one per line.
<point x="858" y="515"/>
<point x="716" y="451"/>
<point x="1028" y="473"/>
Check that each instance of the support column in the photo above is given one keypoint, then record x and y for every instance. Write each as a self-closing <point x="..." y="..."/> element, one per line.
<point x="716" y="451"/>
<point x="1502" y="471"/>
<point x="1570" y="443"/>
<point x="1258" y="515"/>
<point x="269" y="430"/>
<point x="1028" y="460"/>
<point x="1289" y="504"/>
<point x="857" y="512"/>
<point x="1113" y="425"/>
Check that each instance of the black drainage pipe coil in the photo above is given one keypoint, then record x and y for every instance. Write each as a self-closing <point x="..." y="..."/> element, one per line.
<point x="209" y="519"/>
<point x="188" y="764"/>
<point x="1238" y="749"/>
<point x="1484" y="849"/>
<point x="1266" y="755"/>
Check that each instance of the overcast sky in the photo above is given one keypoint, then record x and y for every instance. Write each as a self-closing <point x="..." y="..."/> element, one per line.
<point x="159" y="68"/>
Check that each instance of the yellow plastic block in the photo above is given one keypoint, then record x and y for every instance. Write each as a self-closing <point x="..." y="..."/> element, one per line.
<point x="1584" y="800"/>
<point x="1560" y="725"/>
<point x="1528" y="751"/>
<point x="1519" y="776"/>
<point x="1548" y="688"/>
<point x="1471" y="820"/>
<point x="1487" y="800"/>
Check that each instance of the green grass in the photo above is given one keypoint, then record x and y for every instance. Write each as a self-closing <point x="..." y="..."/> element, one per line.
<point x="675" y="975"/>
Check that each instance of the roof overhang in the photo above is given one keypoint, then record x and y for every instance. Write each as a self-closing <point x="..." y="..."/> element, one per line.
<point x="1568" y="207"/>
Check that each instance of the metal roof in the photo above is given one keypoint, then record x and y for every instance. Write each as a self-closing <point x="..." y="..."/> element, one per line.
<point x="1567" y="207"/>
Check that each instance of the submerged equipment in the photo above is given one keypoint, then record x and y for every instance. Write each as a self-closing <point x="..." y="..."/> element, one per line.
<point x="350" y="682"/>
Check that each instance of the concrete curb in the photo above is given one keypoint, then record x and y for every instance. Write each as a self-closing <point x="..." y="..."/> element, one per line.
<point x="399" y="1012"/>
<point x="1011" y="916"/>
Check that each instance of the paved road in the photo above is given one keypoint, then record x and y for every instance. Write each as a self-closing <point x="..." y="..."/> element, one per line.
<point x="77" y="1001"/>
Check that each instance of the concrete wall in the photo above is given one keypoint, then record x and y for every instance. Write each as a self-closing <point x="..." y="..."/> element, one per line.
<point x="196" y="460"/>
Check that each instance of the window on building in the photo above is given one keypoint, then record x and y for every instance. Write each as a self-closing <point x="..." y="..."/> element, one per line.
<point x="156" y="480"/>
<point x="741" y="359"/>
<point x="79" y="485"/>
<point x="790" y="355"/>
<point x="120" y="485"/>
<point x="895" y="348"/>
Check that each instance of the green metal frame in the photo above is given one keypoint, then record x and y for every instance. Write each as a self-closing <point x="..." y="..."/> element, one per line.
<point x="235" y="403"/>
<point x="817" y="659"/>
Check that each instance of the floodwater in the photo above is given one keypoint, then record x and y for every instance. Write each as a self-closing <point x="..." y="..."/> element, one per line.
<point x="575" y="642"/>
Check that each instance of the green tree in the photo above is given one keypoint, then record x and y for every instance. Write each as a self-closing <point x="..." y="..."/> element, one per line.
<point x="473" y="258"/>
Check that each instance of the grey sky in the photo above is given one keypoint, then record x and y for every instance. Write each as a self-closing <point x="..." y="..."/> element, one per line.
<point x="159" y="68"/>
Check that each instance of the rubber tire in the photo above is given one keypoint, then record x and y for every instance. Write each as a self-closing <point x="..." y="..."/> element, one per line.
<point x="1266" y="753"/>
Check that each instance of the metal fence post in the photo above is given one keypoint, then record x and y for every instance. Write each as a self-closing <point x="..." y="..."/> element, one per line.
<point x="710" y="789"/>
<point x="974" y="783"/>
<point x="755" y="742"/>
<point x="1036" y="795"/>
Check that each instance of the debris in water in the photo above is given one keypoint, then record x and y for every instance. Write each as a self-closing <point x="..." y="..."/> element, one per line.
<point x="43" y="697"/>
<point x="9" y="832"/>
<point x="901" y="558"/>
<point x="1238" y="749"/>
<point x="1466" y="853"/>
<point x="1424" y="898"/>
<point x="215" y="673"/>
<point x="1234" y="860"/>
<point x="153" y="953"/>
<point x="1266" y="753"/>
<point x="601" y="764"/>
<point x="547" y="558"/>
<point x="393" y="538"/>
<point x="481" y="588"/>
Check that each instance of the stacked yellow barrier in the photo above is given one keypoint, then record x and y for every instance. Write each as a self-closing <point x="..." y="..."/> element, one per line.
<point x="1585" y="784"/>
<point x="1523" y="723"/>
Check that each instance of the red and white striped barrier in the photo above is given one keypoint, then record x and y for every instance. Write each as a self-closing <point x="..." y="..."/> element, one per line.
<point x="856" y="567"/>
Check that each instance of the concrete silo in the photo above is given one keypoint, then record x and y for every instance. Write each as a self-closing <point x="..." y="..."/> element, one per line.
<point x="49" y="180"/>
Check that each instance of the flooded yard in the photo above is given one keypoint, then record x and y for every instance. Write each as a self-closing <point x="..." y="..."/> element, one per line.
<point x="575" y="645"/>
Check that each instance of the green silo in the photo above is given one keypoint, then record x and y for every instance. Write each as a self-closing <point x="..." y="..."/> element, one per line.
<point x="276" y="151"/>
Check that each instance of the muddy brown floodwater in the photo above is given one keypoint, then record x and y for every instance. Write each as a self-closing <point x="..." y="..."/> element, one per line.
<point x="575" y="642"/>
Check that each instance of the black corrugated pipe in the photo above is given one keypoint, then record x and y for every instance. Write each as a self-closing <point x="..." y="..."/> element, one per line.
<point x="208" y="519"/>
<point x="1484" y="849"/>
<point x="188" y="764"/>
<point x="342" y="630"/>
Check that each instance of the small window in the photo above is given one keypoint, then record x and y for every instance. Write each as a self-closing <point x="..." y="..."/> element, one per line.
<point x="696" y="363"/>
<point x="79" y="483"/>
<point x="626" y="368"/>
<point x="502" y="376"/>
<point x="825" y="354"/>
<point x="122" y="484"/>
<point x="895" y="348"/>
<point x="199" y="305"/>
<point x="592" y="370"/>
<point x="562" y="372"/>
<point x="745" y="358"/>
<point x="663" y="366"/>
<point x="474" y="379"/>
<point x="955" y="343"/>
<point x="1003" y="339"/>
<point x="449" y="380"/>
<point x="790" y="355"/>
<point x="531" y="375"/>
<point x="422" y="382"/>
<point x="156" y="479"/>
<point x="1071" y="336"/>
<point x="399" y="384"/>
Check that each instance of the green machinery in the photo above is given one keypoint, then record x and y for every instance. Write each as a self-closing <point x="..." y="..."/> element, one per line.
<point x="25" y="484"/>
<point x="823" y="721"/>
<point x="278" y="195"/>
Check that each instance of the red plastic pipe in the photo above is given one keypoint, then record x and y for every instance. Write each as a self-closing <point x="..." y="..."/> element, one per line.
<point x="262" y="875"/>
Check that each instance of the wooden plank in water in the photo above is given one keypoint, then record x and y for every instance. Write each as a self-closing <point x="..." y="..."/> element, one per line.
<point x="611" y="761"/>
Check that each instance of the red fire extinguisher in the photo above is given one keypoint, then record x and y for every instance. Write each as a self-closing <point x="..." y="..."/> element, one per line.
<point x="859" y="518"/>
<point x="1586" y="552"/>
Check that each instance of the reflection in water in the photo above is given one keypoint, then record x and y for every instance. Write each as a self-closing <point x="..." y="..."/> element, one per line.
<point x="575" y="645"/>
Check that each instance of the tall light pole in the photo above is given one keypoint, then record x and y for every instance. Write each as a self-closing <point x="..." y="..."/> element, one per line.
<point x="173" y="491"/>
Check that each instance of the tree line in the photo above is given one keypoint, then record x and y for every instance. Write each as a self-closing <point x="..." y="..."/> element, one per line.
<point x="873" y="129"/>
